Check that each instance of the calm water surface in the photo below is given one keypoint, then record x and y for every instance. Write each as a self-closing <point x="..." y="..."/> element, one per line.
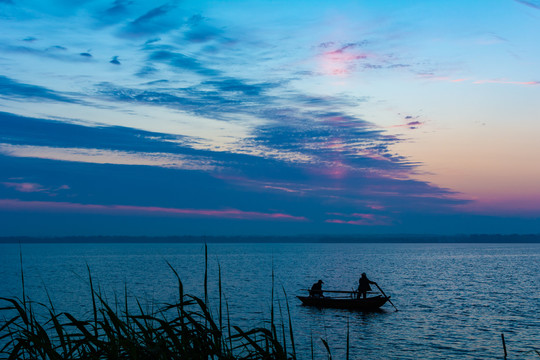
<point x="454" y="299"/>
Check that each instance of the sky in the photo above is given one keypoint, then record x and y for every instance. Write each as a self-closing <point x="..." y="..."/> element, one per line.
<point x="129" y="117"/>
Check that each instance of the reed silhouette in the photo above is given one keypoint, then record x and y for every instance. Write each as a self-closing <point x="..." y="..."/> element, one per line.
<point x="186" y="329"/>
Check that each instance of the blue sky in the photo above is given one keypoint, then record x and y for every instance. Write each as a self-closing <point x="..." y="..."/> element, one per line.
<point x="266" y="117"/>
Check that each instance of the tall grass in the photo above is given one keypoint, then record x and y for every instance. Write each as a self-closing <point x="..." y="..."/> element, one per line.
<point x="185" y="329"/>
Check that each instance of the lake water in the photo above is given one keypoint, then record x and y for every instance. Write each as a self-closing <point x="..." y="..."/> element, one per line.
<point x="454" y="300"/>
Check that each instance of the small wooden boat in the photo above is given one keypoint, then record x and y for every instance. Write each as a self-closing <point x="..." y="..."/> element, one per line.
<point x="368" y="304"/>
<point x="351" y="302"/>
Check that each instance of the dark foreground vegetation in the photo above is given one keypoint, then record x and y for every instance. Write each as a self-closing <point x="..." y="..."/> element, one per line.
<point x="186" y="329"/>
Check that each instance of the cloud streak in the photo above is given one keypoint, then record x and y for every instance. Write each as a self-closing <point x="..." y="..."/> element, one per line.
<point x="24" y="186"/>
<point x="18" y="205"/>
<point x="532" y="4"/>
<point x="158" y="20"/>
<point x="12" y="89"/>
<point x="101" y="156"/>
<point x="181" y="61"/>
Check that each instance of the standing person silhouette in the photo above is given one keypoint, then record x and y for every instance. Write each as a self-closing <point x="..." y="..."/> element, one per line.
<point x="363" y="285"/>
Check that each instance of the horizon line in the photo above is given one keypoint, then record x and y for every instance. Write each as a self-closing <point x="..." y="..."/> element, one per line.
<point x="306" y="238"/>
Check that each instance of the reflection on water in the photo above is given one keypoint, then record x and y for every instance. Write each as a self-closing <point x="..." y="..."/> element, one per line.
<point x="454" y="299"/>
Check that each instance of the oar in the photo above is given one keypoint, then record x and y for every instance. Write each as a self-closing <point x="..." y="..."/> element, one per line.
<point x="387" y="298"/>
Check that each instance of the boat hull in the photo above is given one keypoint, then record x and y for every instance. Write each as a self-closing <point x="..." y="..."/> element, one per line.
<point x="368" y="304"/>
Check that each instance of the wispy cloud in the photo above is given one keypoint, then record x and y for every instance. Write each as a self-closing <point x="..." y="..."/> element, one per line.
<point x="115" y="60"/>
<point x="342" y="60"/>
<point x="53" y="52"/>
<point x="15" y="204"/>
<point x="155" y="21"/>
<point x="181" y="61"/>
<point x="101" y="156"/>
<point x="535" y="4"/>
<point x="236" y="85"/>
<point x="154" y="13"/>
<point x="200" y="31"/>
<point x="502" y="81"/>
<point x="11" y="89"/>
<point x="286" y="127"/>
<point x="411" y="122"/>
<point x="119" y="7"/>
<point x="24" y="186"/>
<point x="360" y="219"/>
<point x="28" y="187"/>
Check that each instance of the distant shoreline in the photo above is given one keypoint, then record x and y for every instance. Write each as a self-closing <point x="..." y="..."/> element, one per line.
<point x="389" y="239"/>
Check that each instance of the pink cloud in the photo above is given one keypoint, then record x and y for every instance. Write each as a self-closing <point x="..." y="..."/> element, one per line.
<point x="373" y="154"/>
<point x="281" y="188"/>
<point x="361" y="222"/>
<point x="341" y="61"/>
<point x="335" y="170"/>
<point x="27" y="187"/>
<point x="441" y="78"/>
<point x="507" y="82"/>
<point x="24" y="187"/>
<point x="375" y="206"/>
<point x="359" y="219"/>
<point x="14" y="204"/>
<point x="411" y="124"/>
<point x="364" y="216"/>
